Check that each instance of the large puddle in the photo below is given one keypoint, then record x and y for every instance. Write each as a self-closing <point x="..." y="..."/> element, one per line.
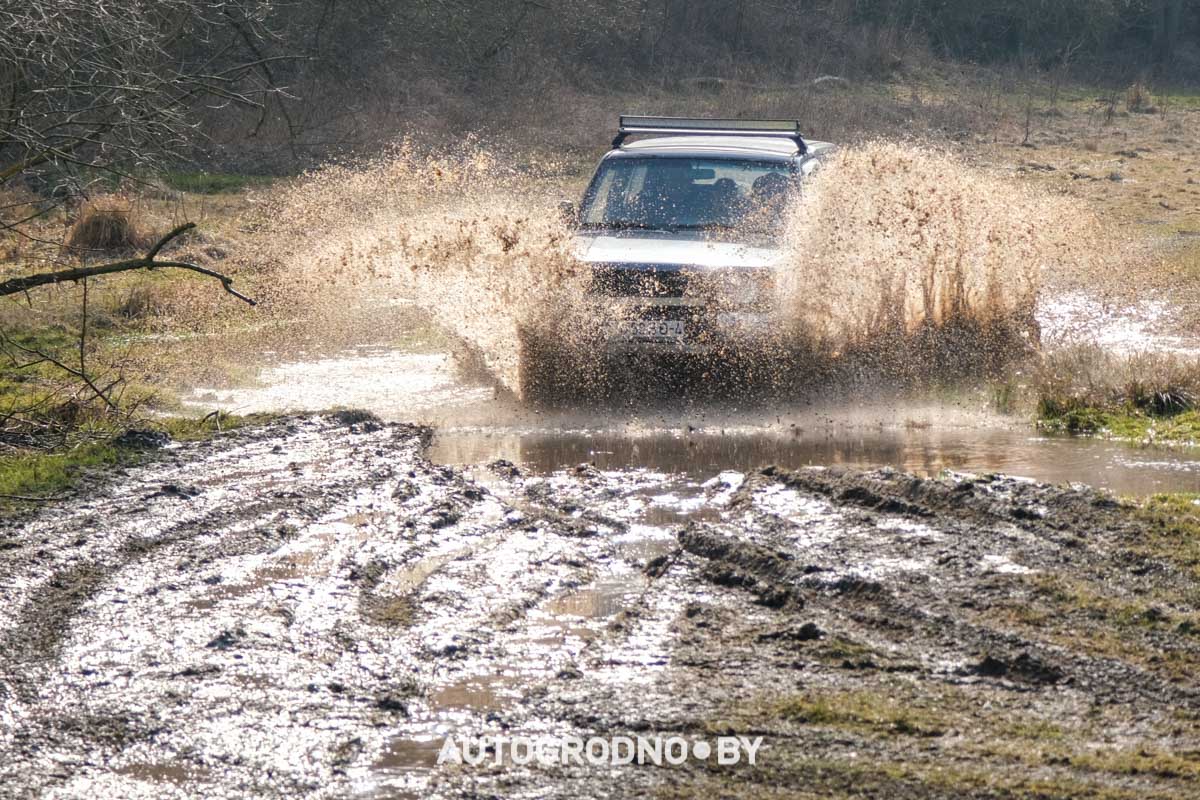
<point x="476" y="426"/>
<point x="1124" y="468"/>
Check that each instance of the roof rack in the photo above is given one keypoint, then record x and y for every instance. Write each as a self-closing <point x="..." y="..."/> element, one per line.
<point x="684" y="126"/>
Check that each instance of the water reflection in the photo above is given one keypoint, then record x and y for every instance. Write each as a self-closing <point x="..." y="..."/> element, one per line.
<point x="1124" y="468"/>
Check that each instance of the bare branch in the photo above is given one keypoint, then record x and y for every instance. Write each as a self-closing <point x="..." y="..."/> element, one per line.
<point x="148" y="261"/>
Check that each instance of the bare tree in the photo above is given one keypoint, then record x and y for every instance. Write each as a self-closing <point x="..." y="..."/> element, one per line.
<point x="1168" y="17"/>
<point x="88" y="88"/>
<point x="93" y="91"/>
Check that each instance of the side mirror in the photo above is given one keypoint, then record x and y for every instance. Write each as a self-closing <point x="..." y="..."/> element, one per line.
<point x="568" y="213"/>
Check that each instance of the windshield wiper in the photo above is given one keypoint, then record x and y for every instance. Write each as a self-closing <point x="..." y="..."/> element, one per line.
<point x="622" y="225"/>
<point x="627" y="224"/>
<point x="705" y="226"/>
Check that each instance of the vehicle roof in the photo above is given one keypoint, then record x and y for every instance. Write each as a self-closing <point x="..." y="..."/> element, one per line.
<point x="768" y="148"/>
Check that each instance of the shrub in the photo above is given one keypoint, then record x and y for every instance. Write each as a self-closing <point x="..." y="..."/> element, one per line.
<point x="107" y="224"/>
<point x="1138" y="99"/>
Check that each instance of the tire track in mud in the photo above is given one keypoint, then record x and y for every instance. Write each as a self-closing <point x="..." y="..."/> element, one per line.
<point x="866" y="617"/>
<point x="251" y="493"/>
<point x="938" y="626"/>
<point x="264" y="513"/>
<point x="176" y="606"/>
<point x="1080" y="527"/>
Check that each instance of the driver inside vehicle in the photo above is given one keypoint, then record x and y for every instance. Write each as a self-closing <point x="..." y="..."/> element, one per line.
<point x="767" y="201"/>
<point x="770" y="191"/>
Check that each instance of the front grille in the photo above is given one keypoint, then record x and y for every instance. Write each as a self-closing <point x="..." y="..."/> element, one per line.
<point x="636" y="281"/>
<point x="680" y="313"/>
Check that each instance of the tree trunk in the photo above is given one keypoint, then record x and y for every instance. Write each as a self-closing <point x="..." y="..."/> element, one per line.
<point x="1166" y="30"/>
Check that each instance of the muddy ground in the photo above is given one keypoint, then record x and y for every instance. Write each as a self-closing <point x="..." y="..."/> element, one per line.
<point x="307" y="610"/>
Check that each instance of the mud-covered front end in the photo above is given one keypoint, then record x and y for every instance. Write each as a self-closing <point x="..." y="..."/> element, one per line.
<point x="667" y="294"/>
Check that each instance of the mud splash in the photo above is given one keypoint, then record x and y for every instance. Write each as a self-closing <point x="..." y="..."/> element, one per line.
<point x="468" y="236"/>
<point x="888" y="244"/>
<point x="892" y="238"/>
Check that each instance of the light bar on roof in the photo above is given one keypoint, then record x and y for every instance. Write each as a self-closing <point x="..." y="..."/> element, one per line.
<point x="630" y="125"/>
<point x="776" y="126"/>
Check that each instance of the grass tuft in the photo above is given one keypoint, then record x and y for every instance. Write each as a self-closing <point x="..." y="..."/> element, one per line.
<point x="39" y="474"/>
<point x="1151" y="396"/>
<point x="107" y="224"/>
<point x="1173" y="532"/>
<point x="862" y="711"/>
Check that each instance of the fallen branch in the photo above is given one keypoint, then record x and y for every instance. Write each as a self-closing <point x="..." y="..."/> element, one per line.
<point x="148" y="261"/>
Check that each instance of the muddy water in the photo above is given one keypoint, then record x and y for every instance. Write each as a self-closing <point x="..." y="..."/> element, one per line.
<point x="477" y="425"/>
<point x="1123" y="468"/>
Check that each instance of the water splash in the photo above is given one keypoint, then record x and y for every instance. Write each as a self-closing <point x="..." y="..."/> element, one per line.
<point x="472" y="240"/>
<point x="895" y="245"/>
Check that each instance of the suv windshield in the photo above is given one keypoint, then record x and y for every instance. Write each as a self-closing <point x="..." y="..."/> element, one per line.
<point x="671" y="193"/>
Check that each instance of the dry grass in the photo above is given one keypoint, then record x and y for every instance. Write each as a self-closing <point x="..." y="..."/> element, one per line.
<point x="17" y="203"/>
<point x="109" y="224"/>
<point x="1139" y="100"/>
<point x="1085" y="376"/>
<point x="1147" y="396"/>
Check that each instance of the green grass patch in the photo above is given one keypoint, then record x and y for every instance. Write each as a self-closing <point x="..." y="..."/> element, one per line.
<point x="55" y="429"/>
<point x="1173" y="529"/>
<point x="837" y="648"/>
<point x="1155" y="629"/>
<point x="195" y="429"/>
<point x="1032" y="730"/>
<point x="1145" y="397"/>
<point x="863" y="711"/>
<point x="37" y="474"/>
<point x="213" y="182"/>
<point x="1068" y="595"/>
<point x="1054" y="416"/>
<point x="1141" y="761"/>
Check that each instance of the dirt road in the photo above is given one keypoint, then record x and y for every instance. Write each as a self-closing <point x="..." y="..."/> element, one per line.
<point x="309" y="609"/>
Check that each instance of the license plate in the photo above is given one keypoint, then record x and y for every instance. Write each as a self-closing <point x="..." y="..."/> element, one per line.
<point x="654" y="330"/>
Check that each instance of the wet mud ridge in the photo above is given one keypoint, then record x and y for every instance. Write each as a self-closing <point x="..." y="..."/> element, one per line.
<point x="309" y="608"/>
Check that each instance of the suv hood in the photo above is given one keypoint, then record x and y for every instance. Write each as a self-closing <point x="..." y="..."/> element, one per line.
<point x="684" y="249"/>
